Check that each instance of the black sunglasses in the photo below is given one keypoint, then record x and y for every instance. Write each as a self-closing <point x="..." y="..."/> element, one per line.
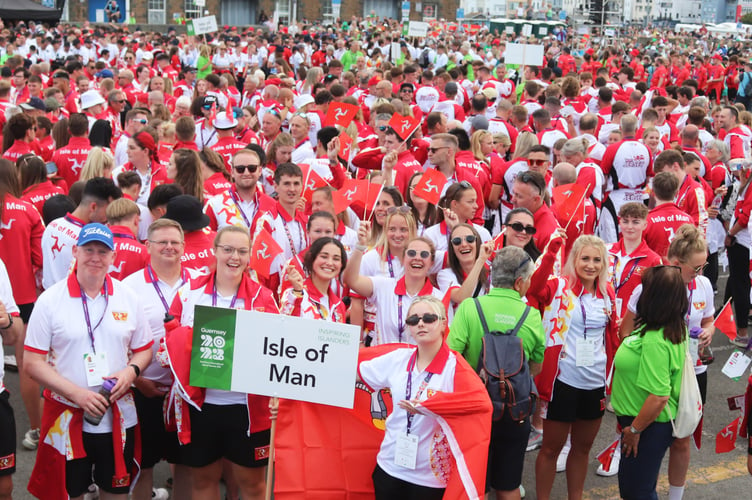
<point x="242" y="168"/>
<point x="457" y="241"/>
<point x="383" y="128"/>
<point x="427" y="318"/>
<point x="424" y="254"/>
<point x="520" y="227"/>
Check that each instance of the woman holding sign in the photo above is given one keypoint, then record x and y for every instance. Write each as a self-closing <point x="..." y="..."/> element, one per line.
<point x="230" y="425"/>
<point x="416" y="460"/>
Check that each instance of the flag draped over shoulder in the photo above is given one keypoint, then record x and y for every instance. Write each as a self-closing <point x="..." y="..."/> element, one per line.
<point x="324" y="452"/>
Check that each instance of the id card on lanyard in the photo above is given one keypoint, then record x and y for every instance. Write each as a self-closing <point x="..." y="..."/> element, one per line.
<point x="95" y="364"/>
<point x="406" y="450"/>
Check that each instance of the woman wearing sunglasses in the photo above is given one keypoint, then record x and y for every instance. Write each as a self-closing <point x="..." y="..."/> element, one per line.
<point x="228" y="425"/>
<point x="462" y="200"/>
<point x="314" y="297"/>
<point x="519" y="231"/>
<point x="579" y="316"/>
<point x="392" y="296"/>
<point x="647" y="379"/>
<point x="468" y="273"/>
<point x="688" y="252"/>
<point x="430" y="371"/>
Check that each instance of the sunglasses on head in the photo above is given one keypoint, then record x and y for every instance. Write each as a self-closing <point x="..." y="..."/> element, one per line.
<point x="242" y="168"/>
<point x="520" y="227"/>
<point x="401" y="209"/>
<point x="427" y="318"/>
<point x="457" y="241"/>
<point x="424" y="254"/>
<point x="466" y="185"/>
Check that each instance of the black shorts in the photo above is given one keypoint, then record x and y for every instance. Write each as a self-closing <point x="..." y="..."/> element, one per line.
<point x="156" y="442"/>
<point x="24" y="310"/>
<point x="7" y="436"/>
<point x="506" y="453"/>
<point x="100" y="457"/>
<point x="570" y="404"/>
<point x="221" y="431"/>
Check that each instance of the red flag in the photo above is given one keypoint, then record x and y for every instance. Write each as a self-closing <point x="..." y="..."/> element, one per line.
<point x="697" y="435"/>
<point x="263" y="252"/>
<point x="311" y="180"/>
<point x="725" y="440"/>
<point x="340" y="113"/>
<point x="725" y="321"/>
<point x="345" y="146"/>
<point x="404" y="125"/>
<point x="568" y="202"/>
<point x="430" y="186"/>
<point x="498" y="241"/>
<point x="340" y="202"/>
<point x="373" y="192"/>
<point x="354" y="191"/>
<point x="606" y="456"/>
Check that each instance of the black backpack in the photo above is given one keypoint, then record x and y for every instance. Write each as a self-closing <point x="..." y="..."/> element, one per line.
<point x="503" y="368"/>
<point x="747" y="86"/>
<point x="423" y="60"/>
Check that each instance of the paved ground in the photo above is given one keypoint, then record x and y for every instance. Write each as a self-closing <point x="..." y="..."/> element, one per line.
<point x="711" y="476"/>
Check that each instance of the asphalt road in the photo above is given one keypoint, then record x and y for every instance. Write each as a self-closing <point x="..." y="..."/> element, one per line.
<point x="711" y="475"/>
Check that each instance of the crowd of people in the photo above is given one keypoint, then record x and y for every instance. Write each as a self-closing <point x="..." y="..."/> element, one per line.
<point x="585" y="203"/>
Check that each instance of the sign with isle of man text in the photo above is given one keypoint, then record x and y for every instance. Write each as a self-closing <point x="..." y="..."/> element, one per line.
<point x="274" y="355"/>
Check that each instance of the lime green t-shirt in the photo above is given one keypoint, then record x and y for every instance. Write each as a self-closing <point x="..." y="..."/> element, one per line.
<point x="202" y="61"/>
<point x="645" y="365"/>
<point x="502" y="308"/>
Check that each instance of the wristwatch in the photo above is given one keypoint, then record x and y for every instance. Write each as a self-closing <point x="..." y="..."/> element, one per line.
<point x="634" y="431"/>
<point x="10" y="323"/>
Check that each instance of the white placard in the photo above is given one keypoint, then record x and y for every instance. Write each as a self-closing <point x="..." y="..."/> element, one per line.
<point x="524" y="53"/>
<point x="609" y="32"/>
<point x="395" y="51"/>
<point x="527" y="29"/>
<point x="206" y="24"/>
<point x="542" y="30"/>
<point x="509" y="30"/>
<point x="315" y="360"/>
<point x="200" y="3"/>
<point x="417" y="28"/>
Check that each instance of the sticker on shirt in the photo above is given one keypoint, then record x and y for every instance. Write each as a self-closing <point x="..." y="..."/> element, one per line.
<point x="585" y="352"/>
<point x="406" y="454"/>
<point x="261" y="453"/>
<point x="120" y="316"/>
<point x="96" y="368"/>
<point x="8" y="461"/>
<point x="121" y="481"/>
<point x="699" y="305"/>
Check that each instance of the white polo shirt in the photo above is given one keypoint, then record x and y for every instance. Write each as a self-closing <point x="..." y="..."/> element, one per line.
<point x="6" y="297"/>
<point x="154" y="311"/>
<point x="388" y="295"/>
<point x="58" y="241"/>
<point x="434" y="460"/>
<point x="58" y="329"/>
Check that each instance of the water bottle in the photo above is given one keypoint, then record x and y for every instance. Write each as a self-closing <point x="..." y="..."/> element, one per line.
<point x="717" y="201"/>
<point x="105" y="391"/>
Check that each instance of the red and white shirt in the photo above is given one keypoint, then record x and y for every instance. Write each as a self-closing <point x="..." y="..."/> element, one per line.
<point x="58" y="241"/>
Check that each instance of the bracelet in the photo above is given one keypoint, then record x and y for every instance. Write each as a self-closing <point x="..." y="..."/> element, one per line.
<point x="136" y="369"/>
<point x="361" y="248"/>
<point x="634" y="430"/>
<point x="10" y="323"/>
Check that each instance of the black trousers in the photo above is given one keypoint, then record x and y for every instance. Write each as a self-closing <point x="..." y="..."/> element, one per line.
<point x="738" y="284"/>
<point x="390" y="488"/>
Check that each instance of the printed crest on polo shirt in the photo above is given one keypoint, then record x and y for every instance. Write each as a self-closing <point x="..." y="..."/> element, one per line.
<point x="120" y="316"/>
<point x="699" y="305"/>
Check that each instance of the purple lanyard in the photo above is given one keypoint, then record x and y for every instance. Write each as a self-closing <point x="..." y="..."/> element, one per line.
<point x="689" y="310"/>
<point x="400" y="325"/>
<point x="584" y="316"/>
<point x="214" y="297"/>
<point x="389" y="263"/>
<point x="153" y="277"/>
<point x="124" y="235"/>
<point x="629" y="274"/>
<point x="240" y="209"/>
<point x="289" y="238"/>
<point x="421" y="387"/>
<point x="74" y="222"/>
<point x="86" y="313"/>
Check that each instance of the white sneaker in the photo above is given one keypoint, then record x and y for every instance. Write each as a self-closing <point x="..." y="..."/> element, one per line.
<point x="614" y="468"/>
<point x="159" y="494"/>
<point x="522" y="491"/>
<point x="535" y="440"/>
<point x="31" y="439"/>
<point x="561" y="460"/>
<point x="93" y="493"/>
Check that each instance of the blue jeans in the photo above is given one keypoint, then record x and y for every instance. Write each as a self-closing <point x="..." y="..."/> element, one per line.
<point x="638" y="475"/>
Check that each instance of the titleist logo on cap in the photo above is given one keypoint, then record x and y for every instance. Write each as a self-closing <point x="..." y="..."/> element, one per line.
<point x="95" y="230"/>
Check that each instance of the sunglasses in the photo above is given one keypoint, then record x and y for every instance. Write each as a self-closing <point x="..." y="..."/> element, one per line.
<point x="427" y="318"/>
<point x="120" y="101"/>
<point x="537" y="163"/>
<point x="520" y="227"/>
<point x="424" y="254"/>
<point x="466" y="185"/>
<point x="142" y="121"/>
<point x="433" y="150"/>
<point x="699" y="269"/>
<point x="242" y="168"/>
<point x="383" y="128"/>
<point x="401" y="209"/>
<point x="457" y="241"/>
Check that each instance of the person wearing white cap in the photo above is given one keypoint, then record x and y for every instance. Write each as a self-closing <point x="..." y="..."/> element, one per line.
<point x="300" y="126"/>
<point x="226" y="144"/>
<point x="92" y="104"/>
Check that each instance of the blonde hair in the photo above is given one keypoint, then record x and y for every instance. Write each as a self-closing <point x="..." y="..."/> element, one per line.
<point x="525" y="141"/>
<point x="120" y="210"/>
<point x="687" y="242"/>
<point x="383" y="244"/>
<point x="585" y="241"/>
<point x="96" y="162"/>
<point x="475" y="146"/>
<point x="432" y="302"/>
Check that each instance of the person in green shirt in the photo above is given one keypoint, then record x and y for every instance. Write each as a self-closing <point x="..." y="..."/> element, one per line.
<point x="647" y="378"/>
<point x="204" y="64"/>
<point x="351" y="56"/>
<point x="503" y="307"/>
